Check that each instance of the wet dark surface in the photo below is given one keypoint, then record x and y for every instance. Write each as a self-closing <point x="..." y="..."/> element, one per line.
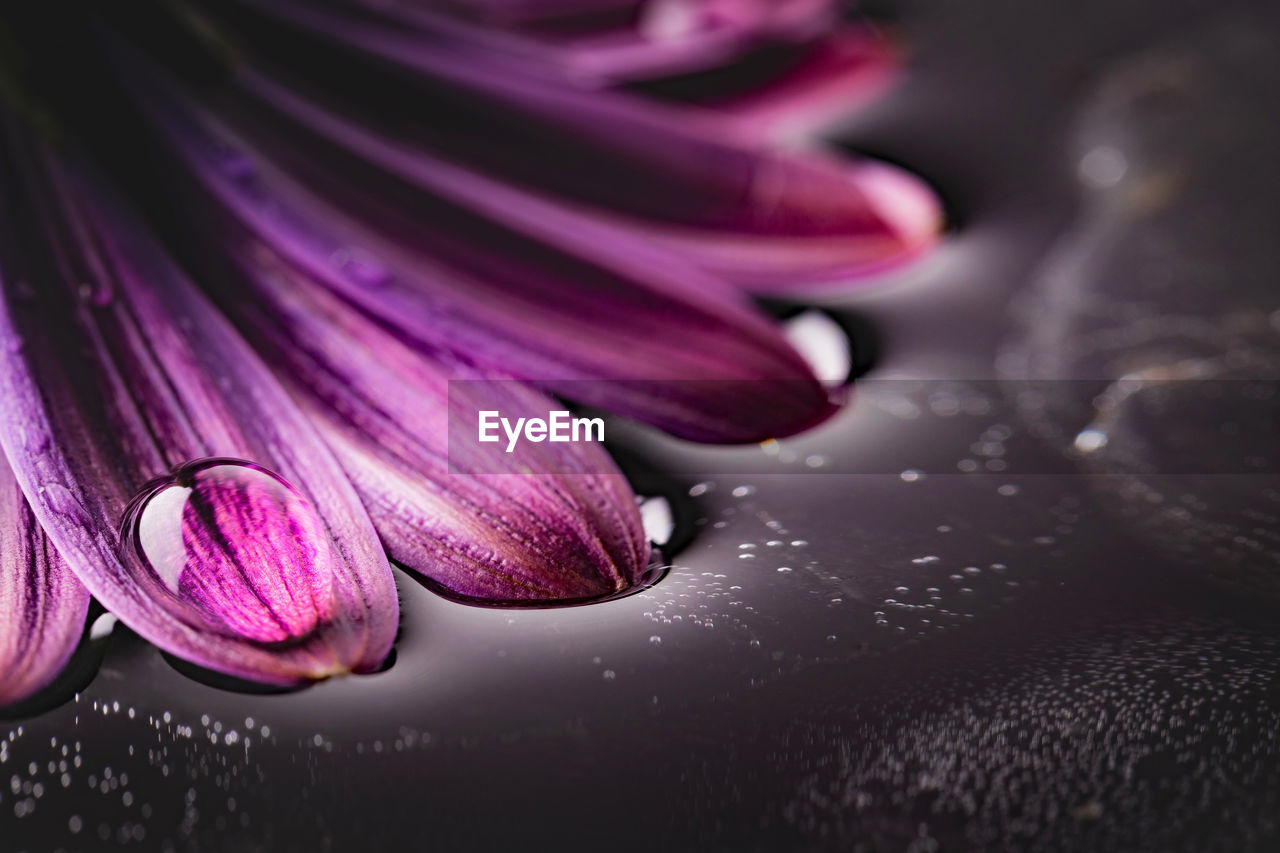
<point x="987" y="648"/>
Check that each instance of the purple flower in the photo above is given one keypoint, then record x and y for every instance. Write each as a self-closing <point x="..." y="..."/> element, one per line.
<point x="227" y="401"/>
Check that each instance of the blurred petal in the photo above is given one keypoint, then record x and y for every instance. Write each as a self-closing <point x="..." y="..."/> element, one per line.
<point x="680" y="176"/>
<point x="506" y="281"/>
<point x="514" y="11"/>
<point x="554" y="522"/>
<point x="909" y="220"/>
<point x="44" y="606"/>
<point x="827" y="82"/>
<point x="116" y="372"/>
<point x="661" y="38"/>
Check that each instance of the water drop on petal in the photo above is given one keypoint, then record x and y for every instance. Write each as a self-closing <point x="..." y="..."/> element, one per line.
<point x="239" y="545"/>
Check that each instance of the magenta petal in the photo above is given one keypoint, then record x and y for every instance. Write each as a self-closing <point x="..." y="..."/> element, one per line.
<point x="910" y="221"/>
<point x="43" y="605"/>
<point x="507" y="281"/>
<point x="115" y="371"/>
<point x="517" y="11"/>
<point x="661" y="38"/>
<point x="828" y="81"/>
<point x="553" y="523"/>
<point x="701" y="183"/>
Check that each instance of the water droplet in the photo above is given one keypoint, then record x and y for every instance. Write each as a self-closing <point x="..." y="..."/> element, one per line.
<point x="823" y="344"/>
<point x="238" y="544"/>
<point x="1103" y="167"/>
<point x="1089" y="440"/>
<point x="657" y="519"/>
<point x="102" y="626"/>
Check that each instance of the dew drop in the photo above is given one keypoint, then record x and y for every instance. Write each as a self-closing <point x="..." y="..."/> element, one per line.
<point x="1103" y="167"/>
<point x="824" y="345"/>
<point x="238" y="544"/>
<point x="658" y="520"/>
<point x="102" y="627"/>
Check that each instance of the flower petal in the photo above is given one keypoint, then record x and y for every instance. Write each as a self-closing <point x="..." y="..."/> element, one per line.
<point x="675" y="174"/>
<point x="504" y="280"/>
<point x="554" y="522"/>
<point x="659" y="39"/>
<point x="517" y="11"/>
<point x="823" y="83"/>
<point x="116" y="371"/>
<point x="44" y="606"/>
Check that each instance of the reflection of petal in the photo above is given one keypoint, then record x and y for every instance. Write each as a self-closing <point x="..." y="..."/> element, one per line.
<point x="44" y="606"/>
<point x="116" y="371"/>
<point x="676" y="174"/>
<point x="505" y="280"/>
<point x="1146" y="344"/>
<point x="555" y="522"/>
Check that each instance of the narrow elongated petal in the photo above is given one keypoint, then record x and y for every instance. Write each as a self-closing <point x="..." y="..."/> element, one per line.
<point x="688" y="13"/>
<point x="660" y="39"/>
<point x="675" y="175"/>
<point x="509" y="283"/>
<point x="526" y="11"/>
<point x="554" y="522"/>
<point x="820" y="85"/>
<point x="130" y="407"/>
<point x="42" y="603"/>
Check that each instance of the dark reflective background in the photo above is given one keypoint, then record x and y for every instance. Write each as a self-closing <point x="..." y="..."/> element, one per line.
<point x="1041" y="649"/>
